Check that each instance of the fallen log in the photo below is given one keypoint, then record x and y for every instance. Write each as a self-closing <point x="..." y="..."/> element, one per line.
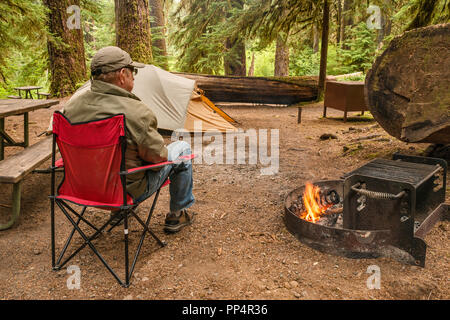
<point x="408" y="88"/>
<point x="269" y="90"/>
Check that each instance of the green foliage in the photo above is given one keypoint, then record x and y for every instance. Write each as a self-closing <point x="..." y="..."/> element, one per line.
<point x="304" y="62"/>
<point x="200" y="31"/>
<point x="98" y="27"/>
<point x="420" y="13"/>
<point x="264" y="61"/>
<point x="23" y="48"/>
<point x="159" y="59"/>
<point x="362" y="48"/>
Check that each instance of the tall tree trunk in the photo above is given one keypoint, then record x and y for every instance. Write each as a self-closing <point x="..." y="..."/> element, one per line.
<point x="324" y="50"/>
<point x="158" y="30"/>
<point x="133" y="29"/>
<point x="315" y="42"/>
<point x="347" y="20"/>
<point x="251" y="70"/>
<point x="338" y="21"/>
<point x="235" y="61"/>
<point x="66" y="52"/>
<point x="281" y="57"/>
<point x="385" y="28"/>
<point x="424" y="15"/>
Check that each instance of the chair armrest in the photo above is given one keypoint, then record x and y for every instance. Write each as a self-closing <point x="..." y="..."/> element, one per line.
<point x="158" y="165"/>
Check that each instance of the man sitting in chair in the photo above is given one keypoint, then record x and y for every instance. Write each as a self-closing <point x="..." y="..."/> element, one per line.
<point x="112" y="81"/>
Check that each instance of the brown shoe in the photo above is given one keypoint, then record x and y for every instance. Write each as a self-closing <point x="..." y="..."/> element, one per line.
<point x="175" y="221"/>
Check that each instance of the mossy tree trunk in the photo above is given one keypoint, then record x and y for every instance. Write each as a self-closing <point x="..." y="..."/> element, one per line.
<point x="315" y="38"/>
<point x="158" y="29"/>
<point x="281" y="57"/>
<point x="235" y="59"/>
<point x="251" y="70"/>
<point x="385" y="28"/>
<point x="324" y="50"/>
<point x="133" y="29"/>
<point x="338" y="4"/>
<point x="347" y="21"/>
<point x="65" y="49"/>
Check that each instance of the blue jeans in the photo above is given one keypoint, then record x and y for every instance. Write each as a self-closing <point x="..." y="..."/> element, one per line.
<point x="180" y="175"/>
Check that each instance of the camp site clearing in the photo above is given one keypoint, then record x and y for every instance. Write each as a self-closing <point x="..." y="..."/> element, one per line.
<point x="238" y="246"/>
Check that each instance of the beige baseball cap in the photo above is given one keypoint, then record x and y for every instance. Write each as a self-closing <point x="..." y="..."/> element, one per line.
<point x="112" y="58"/>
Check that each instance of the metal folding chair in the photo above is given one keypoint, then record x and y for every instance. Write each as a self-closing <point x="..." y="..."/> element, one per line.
<point x="93" y="158"/>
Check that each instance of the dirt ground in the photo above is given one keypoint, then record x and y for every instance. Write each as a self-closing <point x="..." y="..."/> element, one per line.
<point x="238" y="247"/>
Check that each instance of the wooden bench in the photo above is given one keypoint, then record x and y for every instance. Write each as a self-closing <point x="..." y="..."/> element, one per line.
<point x="14" y="97"/>
<point x="47" y="95"/>
<point x="16" y="167"/>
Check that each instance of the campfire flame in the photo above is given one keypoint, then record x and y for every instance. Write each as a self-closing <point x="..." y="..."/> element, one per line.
<point x="313" y="204"/>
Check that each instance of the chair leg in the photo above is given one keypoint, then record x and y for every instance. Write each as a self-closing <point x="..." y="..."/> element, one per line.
<point x="88" y="241"/>
<point x="69" y="239"/>
<point x="146" y="229"/>
<point x="79" y="216"/>
<point x="100" y="230"/>
<point x="125" y="231"/>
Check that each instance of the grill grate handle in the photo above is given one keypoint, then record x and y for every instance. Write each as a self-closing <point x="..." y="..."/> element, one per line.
<point x="377" y="195"/>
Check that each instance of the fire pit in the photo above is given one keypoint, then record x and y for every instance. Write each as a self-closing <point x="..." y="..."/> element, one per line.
<point x="384" y="208"/>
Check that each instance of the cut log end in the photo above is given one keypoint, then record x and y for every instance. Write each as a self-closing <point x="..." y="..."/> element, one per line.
<point x="408" y="88"/>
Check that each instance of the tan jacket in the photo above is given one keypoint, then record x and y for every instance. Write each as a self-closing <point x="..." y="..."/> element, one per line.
<point x="144" y="143"/>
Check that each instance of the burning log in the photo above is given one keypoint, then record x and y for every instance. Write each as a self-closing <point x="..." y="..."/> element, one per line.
<point x="407" y="89"/>
<point x="269" y="90"/>
<point x="318" y="206"/>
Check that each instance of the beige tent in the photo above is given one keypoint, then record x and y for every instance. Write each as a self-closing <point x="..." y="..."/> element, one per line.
<point x="211" y="117"/>
<point x="176" y="101"/>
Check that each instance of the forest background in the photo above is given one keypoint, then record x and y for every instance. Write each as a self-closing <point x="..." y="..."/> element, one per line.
<point x="43" y="43"/>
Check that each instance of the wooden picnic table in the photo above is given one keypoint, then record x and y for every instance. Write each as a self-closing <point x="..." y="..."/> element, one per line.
<point x="16" y="167"/>
<point x="12" y="107"/>
<point x="28" y="90"/>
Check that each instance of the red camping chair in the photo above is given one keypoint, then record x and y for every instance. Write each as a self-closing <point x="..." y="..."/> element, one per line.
<point x="93" y="158"/>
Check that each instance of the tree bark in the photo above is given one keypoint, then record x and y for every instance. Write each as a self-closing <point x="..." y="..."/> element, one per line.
<point x="385" y="28"/>
<point x="133" y="29"/>
<point x="315" y="34"/>
<point x="235" y="61"/>
<point x="158" y="27"/>
<point x="407" y="89"/>
<point x="324" y="50"/>
<point x="347" y="20"/>
<point x="338" y="21"/>
<point x="276" y="90"/>
<point x="66" y="50"/>
<point x="281" y="57"/>
<point x="251" y="70"/>
<point x="424" y="14"/>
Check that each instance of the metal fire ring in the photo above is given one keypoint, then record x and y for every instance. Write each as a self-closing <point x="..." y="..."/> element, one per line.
<point x="339" y="241"/>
